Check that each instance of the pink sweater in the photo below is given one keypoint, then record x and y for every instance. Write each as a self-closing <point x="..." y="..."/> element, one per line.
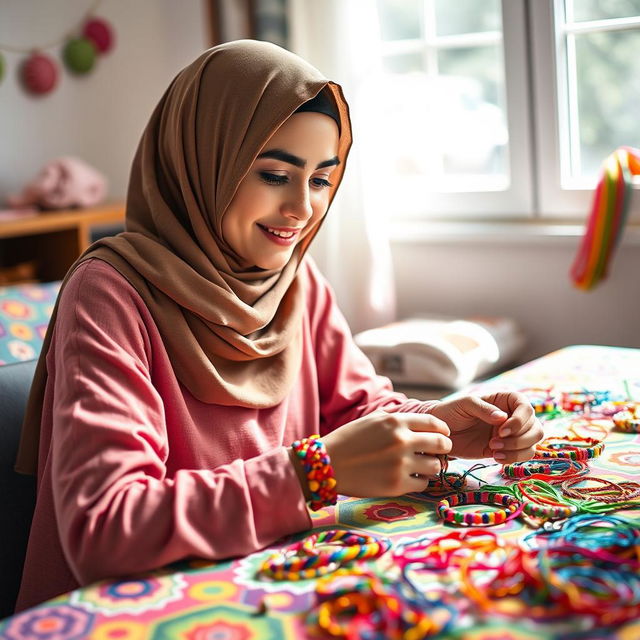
<point x="135" y="473"/>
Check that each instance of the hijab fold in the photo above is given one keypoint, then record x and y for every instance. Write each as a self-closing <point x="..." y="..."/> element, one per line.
<point x="232" y="332"/>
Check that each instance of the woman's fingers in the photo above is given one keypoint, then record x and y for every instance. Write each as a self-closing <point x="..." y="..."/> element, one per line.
<point x="425" y="423"/>
<point x="426" y="466"/>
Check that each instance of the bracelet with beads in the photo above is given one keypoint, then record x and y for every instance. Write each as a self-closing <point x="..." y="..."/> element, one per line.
<point x="479" y="518"/>
<point x="318" y="470"/>
<point x="569" y="447"/>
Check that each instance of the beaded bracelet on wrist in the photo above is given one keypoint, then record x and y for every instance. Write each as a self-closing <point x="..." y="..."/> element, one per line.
<point x="569" y="447"/>
<point x="479" y="518"/>
<point x="318" y="470"/>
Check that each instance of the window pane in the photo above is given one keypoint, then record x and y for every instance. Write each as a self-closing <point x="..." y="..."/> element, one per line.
<point x="475" y="120"/>
<point x="443" y="106"/>
<point x="608" y="84"/>
<point x="604" y="9"/>
<point x="403" y="63"/>
<point x="400" y="19"/>
<point x="467" y="16"/>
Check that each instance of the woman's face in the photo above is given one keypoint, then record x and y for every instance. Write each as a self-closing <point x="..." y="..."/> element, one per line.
<point x="285" y="194"/>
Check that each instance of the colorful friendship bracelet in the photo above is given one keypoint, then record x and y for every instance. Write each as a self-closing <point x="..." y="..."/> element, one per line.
<point x="542" y="400"/>
<point x="610" y="493"/>
<point x="629" y="419"/>
<point x="542" y="500"/>
<point x="577" y="401"/>
<point x="569" y="447"/>
<point x="318" y="470"/>
<point x="479" y="518"/>
<point x="356" y="603"/>
<point x="352" y="546"/>
<point x="305" y="559"/>
<point x="551" y="470"/>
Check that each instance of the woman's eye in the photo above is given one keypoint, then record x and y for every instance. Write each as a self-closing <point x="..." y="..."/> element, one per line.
<point x="321" y="183"/>
<point x="273" y="178"/>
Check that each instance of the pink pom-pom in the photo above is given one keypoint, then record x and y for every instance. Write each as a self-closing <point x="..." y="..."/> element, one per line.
<point x="99" y="31"/>
<point x="39" y="74"/>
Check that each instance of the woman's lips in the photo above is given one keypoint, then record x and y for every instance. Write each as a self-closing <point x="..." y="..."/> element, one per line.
<point x="281" y="236"/>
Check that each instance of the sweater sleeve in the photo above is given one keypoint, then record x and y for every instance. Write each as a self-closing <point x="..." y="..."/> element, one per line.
<point x="118" y="509"/>
<point x="349" y="387"/>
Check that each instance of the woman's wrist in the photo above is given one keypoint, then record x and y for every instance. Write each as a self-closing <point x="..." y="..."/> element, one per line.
<point x="299" y="468"/>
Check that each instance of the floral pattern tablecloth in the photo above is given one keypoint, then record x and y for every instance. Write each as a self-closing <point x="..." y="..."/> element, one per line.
<point x="25" y="311"/>
<point x="226" y="601"/>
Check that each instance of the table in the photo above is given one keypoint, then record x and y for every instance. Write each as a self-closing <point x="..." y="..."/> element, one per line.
<point x="197" y="599"/>
<point x="52" y="240"/>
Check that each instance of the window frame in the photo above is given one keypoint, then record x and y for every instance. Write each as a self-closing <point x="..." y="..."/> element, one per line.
<point x="536" y="85"/>
<point x="556" y="200"/>
<point x="517" y="199"/>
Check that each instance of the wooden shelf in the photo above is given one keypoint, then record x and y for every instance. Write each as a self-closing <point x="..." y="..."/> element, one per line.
<point x="53" y="239"/>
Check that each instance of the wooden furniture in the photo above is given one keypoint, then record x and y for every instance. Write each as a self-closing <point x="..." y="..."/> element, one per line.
<point x="50" y="240"/>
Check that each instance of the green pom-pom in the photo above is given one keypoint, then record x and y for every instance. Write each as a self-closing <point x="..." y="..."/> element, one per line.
<point x="79" y="55"/>
<point x="1" y="67"/>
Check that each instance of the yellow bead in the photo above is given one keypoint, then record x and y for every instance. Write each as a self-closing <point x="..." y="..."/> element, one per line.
<point x="313" y="485"/>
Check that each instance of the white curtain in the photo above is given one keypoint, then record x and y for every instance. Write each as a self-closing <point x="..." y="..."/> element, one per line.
<point x="340" y="37"/>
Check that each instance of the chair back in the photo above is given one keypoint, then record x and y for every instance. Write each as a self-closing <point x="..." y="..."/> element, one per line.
<point x="17" y="491"/>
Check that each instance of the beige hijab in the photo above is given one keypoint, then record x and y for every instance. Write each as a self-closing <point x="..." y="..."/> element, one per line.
<point x="233" y="333"/>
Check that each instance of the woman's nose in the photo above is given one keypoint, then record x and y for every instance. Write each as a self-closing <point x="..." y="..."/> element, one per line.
<point x="299" y="205"/>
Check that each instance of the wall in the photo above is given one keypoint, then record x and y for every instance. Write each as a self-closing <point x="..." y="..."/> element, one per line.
<point x="525" y="280"/>
<point x="98" y="117"/>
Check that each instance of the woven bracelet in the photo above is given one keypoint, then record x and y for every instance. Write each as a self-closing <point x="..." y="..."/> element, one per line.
<point x="303" y="560"/>
<point x="318" y="470"/>
<point x="569" y="447"/>
<point x="609" y="493"/>
<point x="552" y="470"/>
<point x="479" y="518"/>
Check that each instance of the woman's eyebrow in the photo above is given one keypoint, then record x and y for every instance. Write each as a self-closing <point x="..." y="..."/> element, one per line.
<point x="280" y="154"/>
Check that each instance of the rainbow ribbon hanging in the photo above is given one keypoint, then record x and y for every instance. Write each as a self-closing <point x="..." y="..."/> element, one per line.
<point x="607" y="218"/>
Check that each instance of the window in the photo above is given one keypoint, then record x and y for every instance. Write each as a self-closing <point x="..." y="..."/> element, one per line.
<point x="496" y="109"/>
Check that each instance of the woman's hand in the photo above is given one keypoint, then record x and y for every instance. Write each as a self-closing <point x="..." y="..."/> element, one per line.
<point x="502" y="425"/>
<point x="387" y="454"/>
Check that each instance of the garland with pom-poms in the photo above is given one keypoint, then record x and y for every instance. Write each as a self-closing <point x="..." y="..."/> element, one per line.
<point x="39" y="72"/>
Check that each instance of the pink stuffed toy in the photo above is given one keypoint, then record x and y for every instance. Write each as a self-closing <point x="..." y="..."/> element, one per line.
<point x="63" y="183"/>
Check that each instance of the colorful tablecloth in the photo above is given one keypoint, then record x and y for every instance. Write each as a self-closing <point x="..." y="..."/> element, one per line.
<point x="25" y="311"/>
<point x="226" y="600"/>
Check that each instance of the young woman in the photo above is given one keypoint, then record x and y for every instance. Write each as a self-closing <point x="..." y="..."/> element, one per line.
<point x="191" y="357"/>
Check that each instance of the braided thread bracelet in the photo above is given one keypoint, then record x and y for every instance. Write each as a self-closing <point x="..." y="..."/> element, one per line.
<point x="569" y="447"/>
<point x="542" y="500"/>
<point x="318" y="470"/>
<point x="305" y="559"/>
<point x="479" y="518"/>
<point x="609" y="493"/>
<point x="551" y="470"/>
